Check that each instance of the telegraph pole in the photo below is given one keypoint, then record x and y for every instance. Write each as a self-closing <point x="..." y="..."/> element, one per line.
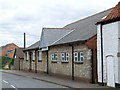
<point x="24" y="40"/>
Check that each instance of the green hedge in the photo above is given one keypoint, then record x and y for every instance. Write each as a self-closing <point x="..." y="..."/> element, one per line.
<point x="6" y="60"/>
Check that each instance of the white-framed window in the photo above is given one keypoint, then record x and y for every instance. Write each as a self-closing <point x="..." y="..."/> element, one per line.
<point x="27" y="55"/>
<point x="54" y="57"/>
<point x="15" y="56"/>
<point x="78" y="57"/>
<point x="33" y="55"/>
<point x="39" y="55"/>
<point x="64" y="56"/>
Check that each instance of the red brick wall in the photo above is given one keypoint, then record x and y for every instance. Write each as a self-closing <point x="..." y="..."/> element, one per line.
<point x="9" y="47"/>
<point x="92" y="42"/>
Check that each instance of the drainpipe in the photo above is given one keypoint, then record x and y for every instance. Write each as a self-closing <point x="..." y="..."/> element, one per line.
<point x="19" y="63"/>
<point x="30" y="61"/>
<point x="72" y="61"/>
<point x="47" y="63"/>
<point x="101" y="53"/>
<point x="92" y="66"/>
<point x="36" y="59"/>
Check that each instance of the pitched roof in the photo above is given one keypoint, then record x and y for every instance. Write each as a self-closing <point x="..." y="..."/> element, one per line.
<point x="113" y="16"/>
<point x="8" y="50"/>
<point x="84" y="29"/>
<point x="33" y="46"/>
<point x="19" y="52"/>
<point x="50" y="35"/>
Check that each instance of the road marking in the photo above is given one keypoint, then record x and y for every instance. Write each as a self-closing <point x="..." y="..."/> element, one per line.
<point x="10" y="85"/>
<point x="13" y="86"/>
<point x="5" y="81"/>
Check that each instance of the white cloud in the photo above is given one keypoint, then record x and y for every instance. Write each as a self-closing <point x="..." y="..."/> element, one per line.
<point x="18" y="16"/>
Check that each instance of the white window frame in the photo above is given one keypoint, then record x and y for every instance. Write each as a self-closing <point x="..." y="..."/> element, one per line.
<point x="78" y="57"/>
<point x="39" y="56"/>
<point x="64" y="57"/>
<point x="27" y="55"/>
<point x="54" y="56"/>
<point x="33" y="55"/>
<point x="15" y="56"/>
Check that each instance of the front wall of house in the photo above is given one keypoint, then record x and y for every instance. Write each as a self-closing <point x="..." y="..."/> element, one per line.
<point x="82" y="71"/>
<point x="59" y="67"/>
<point x="110" y="46"/>
<point x="42" y="65"/>
<point x="16" y="63"/>
<point x="25" y="63"/>
<point x="21" y="64"/>
<point x="33" y="66"/>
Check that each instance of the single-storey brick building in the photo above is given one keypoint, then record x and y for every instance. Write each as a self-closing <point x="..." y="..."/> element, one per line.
<point x="71" y="52"/>
<point x="31" y="57"/>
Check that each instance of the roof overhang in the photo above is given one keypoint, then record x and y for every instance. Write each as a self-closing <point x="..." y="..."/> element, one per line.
<point x="109" y="21"/>
<point x="44" y="49"/>
<point x="30" y="49"/>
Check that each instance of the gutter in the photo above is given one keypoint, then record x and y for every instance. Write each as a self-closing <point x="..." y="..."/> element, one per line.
<point x="47" y="63"/>
<point x="101" y="53"/>
<point x="30" y="49"/>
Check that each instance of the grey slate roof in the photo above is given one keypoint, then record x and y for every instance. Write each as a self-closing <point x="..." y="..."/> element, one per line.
<point x="50" y="35"/>
<point x="84" y="29"/>
<point x="33" y="46"/>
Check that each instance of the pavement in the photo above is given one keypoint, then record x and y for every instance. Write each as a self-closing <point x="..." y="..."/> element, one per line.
<point x="22" y="83"/>
<point x="55" y="80"/>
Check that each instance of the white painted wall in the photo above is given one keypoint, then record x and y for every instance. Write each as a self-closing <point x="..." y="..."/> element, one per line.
<point x="99" y="70"/>
<point x="110" y="46"/>
<point x="119" y="51"/>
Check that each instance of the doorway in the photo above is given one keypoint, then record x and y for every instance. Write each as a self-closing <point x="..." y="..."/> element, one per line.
<point x="110" y="71"/>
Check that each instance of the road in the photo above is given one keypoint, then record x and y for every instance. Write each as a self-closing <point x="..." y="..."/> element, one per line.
<point x="16" y="82"/>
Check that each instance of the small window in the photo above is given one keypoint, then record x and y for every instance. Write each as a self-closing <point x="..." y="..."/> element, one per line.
<point x="75" y="56"/>
<point x="15" y="56"/>
<point x="64" y="56"/>
<point x="39" y="55"/>
<point x="33" y="55"/>
<point x="78" y="57"/>
<point x="54" y="57"/>
<point x="27" y="55"/>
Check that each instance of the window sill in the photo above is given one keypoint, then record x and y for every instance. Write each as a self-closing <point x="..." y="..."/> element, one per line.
<point x="54" y="61"/>
<point x="64" y="62"/>
<point x="33" y="60"/>
<point x="39" y="60"/>
<point x="78" y="62"/>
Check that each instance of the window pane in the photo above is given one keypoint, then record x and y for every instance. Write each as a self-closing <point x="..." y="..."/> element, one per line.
<point x="81" y="59"/>
<point x="78" y="56"/>
<point x="39" y="55"/>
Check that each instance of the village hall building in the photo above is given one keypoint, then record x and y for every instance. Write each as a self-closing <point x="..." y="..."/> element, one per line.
<point x="69" y="52"/>
<point x="108" y="48"/>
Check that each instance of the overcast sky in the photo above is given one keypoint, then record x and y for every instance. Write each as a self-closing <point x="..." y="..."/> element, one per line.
<point x="30" y="16"/>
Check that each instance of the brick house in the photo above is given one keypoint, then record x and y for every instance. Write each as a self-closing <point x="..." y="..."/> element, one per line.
<point x="8" y="50"/>
<point x="71" y="52"/>
<point x="31" y="57"/>
<point x="18" y="59"/>
<point x="108" y="51"/>
<point x="48" y="37"/>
